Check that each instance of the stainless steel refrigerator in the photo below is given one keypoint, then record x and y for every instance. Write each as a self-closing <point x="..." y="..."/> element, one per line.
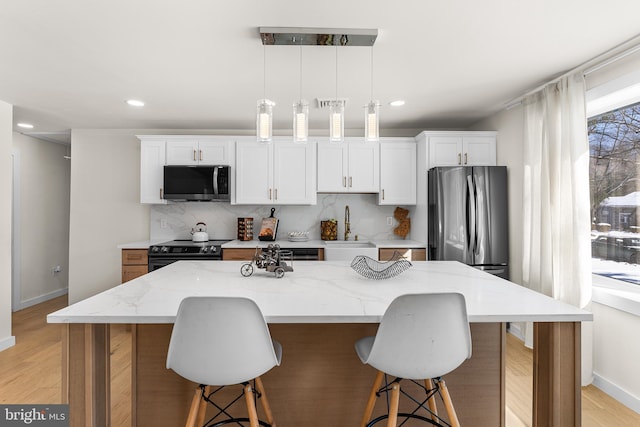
<point x="468" y="220"/>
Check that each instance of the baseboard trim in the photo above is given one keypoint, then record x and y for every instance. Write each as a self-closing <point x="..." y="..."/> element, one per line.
<point x="617" y="393"/>
<point x="515" y="329"/>
<point x="42" y="298"/>
<point x="7" y="343"/>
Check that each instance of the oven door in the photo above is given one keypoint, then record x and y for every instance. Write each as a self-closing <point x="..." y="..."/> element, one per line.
<point x="155" y="263"/>
<point x="159" y="262"/>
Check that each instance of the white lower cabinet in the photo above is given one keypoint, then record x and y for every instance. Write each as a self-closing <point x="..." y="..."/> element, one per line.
<point x="280" y="173"/>
<point x="397" y="172"/>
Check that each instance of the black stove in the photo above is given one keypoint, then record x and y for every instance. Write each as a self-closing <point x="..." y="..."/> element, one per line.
<point x="176" y="250"/>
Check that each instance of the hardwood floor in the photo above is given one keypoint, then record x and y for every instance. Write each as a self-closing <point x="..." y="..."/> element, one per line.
<point x="30" y="373"/>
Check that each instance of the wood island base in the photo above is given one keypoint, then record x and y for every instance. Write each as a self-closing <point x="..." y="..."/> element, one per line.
<point x="321" y="381"/>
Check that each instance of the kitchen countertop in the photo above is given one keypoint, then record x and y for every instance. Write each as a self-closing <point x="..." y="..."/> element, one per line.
<point x="327" y="292"/>
<point x="239" y="244"/>
<point x="144" y="244"/>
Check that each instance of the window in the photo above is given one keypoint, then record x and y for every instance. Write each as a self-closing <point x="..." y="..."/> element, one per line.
<point x="614" y="143"/>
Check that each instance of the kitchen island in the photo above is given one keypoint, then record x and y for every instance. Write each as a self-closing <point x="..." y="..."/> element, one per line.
<point x="317" y="312"/>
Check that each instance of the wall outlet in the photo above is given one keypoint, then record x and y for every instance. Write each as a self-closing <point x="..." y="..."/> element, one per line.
<point x="163" y="223"/>
<point x="57" y="269"/>
<point x="389" y="220"/>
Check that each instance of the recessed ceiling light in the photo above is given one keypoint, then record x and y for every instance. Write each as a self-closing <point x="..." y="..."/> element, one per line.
<point x="25" y="125"/>
<point x="135" y="103"/>
<point x="397" y="103"/>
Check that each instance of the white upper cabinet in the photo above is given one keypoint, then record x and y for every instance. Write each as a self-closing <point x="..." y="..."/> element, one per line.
<point x="152" y="161"/>
<point x="460" y="148"/>
<point x="280" y="173"/>
<point x="397" y="172"/>
<point x="254" y="171"/>
<point x="199" y="151"/>
<point x="349" y="167"/>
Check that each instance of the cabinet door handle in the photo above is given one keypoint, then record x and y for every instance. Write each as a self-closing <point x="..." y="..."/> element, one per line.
<point x="459" y="158"/>
<point x="200" y="155"/>
<point x="269" y="194"/>
<point x="276" y="191"/>
<point x="194" y="155"/>
<point x="161" y="194"/>
<point x="350" y="181"/>
<point x="465" y="158"/>
<point x="383" y="194"/>
<point x="344" y="181"/>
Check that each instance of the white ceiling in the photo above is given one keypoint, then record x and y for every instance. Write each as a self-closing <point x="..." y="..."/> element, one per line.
<point x="198" y="64"/>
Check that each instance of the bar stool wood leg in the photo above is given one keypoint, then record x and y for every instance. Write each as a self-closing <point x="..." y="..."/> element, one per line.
<point x="202" y="410"/>
<point x="251" y="406"/>
<point x="394" y="405"/>
<point x="193" y="411"/>
<point x="371" y="403"/>
<point x="448" y="404"/>
<point x="432" y="400"/>
<point x="265" y="402"/>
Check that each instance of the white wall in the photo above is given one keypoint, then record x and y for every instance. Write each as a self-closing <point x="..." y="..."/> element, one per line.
<point x="510" y="127"/>
<point x="42" y="227"/>
<point x="105" y="208"/>
<point x="6" y="125"/>
<point x="615" y="354"/>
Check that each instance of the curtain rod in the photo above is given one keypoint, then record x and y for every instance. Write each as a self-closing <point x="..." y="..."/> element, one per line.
<point x="605" y="59"/>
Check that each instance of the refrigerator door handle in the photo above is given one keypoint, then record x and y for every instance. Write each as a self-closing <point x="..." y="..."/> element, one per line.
<point x="472" y="214"/>
<point x="440" y="217"/>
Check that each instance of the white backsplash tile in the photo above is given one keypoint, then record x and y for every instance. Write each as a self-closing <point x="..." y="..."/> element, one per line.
<point x="368" y="219"/>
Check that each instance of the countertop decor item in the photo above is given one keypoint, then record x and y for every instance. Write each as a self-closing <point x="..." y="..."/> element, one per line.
<point x="298" y="236"/>
<point x="329" y="229"/>
<point x="272" y="259"/>
<point x="269" y="227"/>
<point x="402" y="216"/>
<point x="245" y="229"/>
<point x="372" y="269"/>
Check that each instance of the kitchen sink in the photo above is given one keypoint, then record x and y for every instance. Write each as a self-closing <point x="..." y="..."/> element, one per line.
<point x="341" y="250"/>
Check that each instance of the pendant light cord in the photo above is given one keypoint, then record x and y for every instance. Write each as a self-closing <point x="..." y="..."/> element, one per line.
<point x="372" y="73"/>
<point x="336" y="74"/>
<point x="300" y="68"/>
<point x="264" y="73"/>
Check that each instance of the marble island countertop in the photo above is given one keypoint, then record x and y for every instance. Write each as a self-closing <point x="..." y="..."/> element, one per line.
<point x="327" y="292"/>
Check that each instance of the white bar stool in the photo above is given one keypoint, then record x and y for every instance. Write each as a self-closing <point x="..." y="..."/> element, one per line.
<point x="421" y="337"/>
<point x="222" y="341"/>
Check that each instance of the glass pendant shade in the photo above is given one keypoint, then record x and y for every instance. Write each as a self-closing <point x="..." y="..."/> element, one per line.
<point x="371" y="123"/>
<point x="301" y="121"/>
<point x="336" y="122"/>
<point x="264" y="120"/>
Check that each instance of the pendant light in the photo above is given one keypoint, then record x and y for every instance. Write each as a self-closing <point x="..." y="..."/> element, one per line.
<point x="301" y="114"/>
<point x="336" y="114"/>
<point x="264" y="113"/>
<point x="371" y="114"/>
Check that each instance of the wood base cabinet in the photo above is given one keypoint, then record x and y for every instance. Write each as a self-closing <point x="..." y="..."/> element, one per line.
<point x="134" y="264"/>
<point x="412" y="254"/>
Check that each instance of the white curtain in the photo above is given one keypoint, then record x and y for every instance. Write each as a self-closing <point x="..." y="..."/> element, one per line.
<point x="557" y="225"/>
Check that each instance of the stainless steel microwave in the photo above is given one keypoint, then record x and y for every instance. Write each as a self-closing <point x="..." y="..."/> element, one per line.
<point x="197" y="183"/>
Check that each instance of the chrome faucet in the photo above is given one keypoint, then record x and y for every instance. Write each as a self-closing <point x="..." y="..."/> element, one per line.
<point x="347" y="225"/>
